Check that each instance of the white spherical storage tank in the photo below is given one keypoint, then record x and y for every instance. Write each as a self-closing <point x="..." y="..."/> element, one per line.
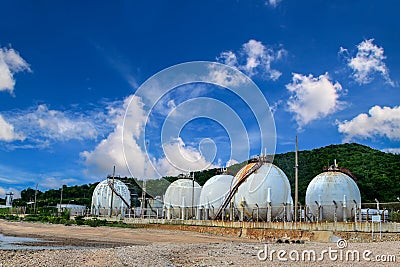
<point x="178" y="198"/>
<point x="213" y="194"/>
<point x="333" y="195"/>
<point x="267" y="188"/>
<point x="103" y="196"/>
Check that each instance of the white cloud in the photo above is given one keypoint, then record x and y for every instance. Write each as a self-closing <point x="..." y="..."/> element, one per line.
<point x="368" y="61"/>
<point x="13" y="177"/>
<point x="254" y="59"/>
<point x="273" y="3"/>
<point x="7" y="132"/>
<point x="127" y="138"/>
<point x="10" y="63"/>
<point x="54" y="182"/>
<point x="58" y="125"/>
<point x="225" y="77"/>
<point x="231" y="162"/>
<point x="4" y="191"/>
<point x="392" y="150"/>
<point x="274" y="107"/>
<point x="229" y="58"/>
<point x="380" y="121"/>
<point x="313" y="98"/>
<point x="181" y="158"/>
<point x="343" y="52"/>
<point x="41" y="126"/>
<point x="110" y="151"/>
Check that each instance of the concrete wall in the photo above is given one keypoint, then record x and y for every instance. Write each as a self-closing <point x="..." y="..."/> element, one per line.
<point x="321" y="232"/>
<point x="320" y="226"/>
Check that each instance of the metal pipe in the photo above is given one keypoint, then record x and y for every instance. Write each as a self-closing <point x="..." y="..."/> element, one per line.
<point x="192" y="215"/>
<point x="344" y="208"/>
<point x="296" y="181"/>
<point x="335" y="214"/>
<point x="112" y="193"/>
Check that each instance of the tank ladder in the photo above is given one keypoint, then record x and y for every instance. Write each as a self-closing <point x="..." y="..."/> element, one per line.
<point x="233" y="190"/>
<point x="110" y="184"/>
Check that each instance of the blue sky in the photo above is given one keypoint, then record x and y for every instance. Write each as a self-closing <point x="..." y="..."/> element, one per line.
<point x="69" y="72"/>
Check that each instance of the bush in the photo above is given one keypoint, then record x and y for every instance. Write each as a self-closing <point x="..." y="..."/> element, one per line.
<point x="9" y="217"/>
<point x="4" y="210"/>
<point x="96" y="222"/>
<point x="32" y="218"/>
<point x="395" y="217"/>
<point x="79" y="220"/>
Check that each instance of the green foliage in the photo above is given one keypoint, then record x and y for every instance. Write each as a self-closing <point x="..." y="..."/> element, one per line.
<point x="46" y="219"/>
<point x="19" y="202"/>
<point x="9" y="217"/>
<point x="79" y="220"/>
<point x="4" y="210"/>
<point x="32" y="218"/>
<point x="377" y="173"/>
<point x="234" y="169"/>
<point x="395" y="216"/>
<point x="157" y="187"/>
<point x="95" y="222"/>
<point x="29" y="194"/>
<point x="77" y="194"/>
<point x="203" y="176"/>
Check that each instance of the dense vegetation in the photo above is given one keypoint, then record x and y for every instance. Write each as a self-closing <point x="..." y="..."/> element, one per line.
<point x="50" y="215"/>
<point x="77" y="194"/>
<point x="377" y="175"/>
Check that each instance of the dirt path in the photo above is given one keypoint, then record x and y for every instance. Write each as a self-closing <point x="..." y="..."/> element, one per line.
<point x="123" y="236"/>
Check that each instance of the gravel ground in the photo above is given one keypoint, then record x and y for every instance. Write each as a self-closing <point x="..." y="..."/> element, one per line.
<point x="189" y="254"/>
<point x="154" y="247"/>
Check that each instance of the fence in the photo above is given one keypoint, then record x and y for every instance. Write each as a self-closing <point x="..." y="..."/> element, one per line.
<point x="390" y="212"/>
<point x="283" y="213"/>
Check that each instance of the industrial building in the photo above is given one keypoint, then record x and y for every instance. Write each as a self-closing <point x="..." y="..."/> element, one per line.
<point x="9" y="199"/>
<point x="260" y="191"/>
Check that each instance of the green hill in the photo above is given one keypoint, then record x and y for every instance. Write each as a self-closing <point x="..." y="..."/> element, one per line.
<point x="377" y="175"/>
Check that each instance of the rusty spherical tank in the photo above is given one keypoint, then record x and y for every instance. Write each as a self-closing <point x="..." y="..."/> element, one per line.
<point x="333" y="195"/>
<point x="266" y="187"/>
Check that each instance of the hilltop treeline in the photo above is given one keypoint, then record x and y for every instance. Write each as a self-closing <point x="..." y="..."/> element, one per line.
<point x="377" y="175"/>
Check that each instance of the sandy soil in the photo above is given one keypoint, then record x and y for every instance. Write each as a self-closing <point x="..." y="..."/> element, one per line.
<point x="154" y="247"/>
<point x="108" y="235"/>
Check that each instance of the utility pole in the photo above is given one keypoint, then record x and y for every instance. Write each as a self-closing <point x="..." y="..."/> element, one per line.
<point x="144" y="189"/>
<point x="192" y="195"/>
<point x="112" y="193"/>
<point x="296" y="181"/>
<point x="61" y="198"/>
<point x="143" y="204"/>
<point x="34" y="209"/>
